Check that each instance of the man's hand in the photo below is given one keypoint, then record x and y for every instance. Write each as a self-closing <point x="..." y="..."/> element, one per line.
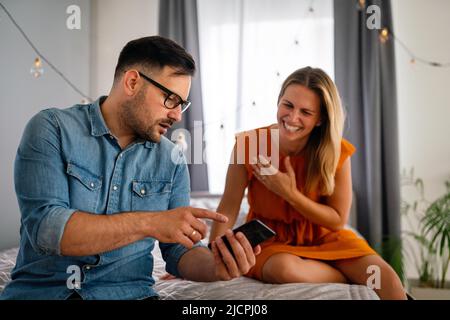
<point x="182" y="225"/>
<point x="228" y="267"/>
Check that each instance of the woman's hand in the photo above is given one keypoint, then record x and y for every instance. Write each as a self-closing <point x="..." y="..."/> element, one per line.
<point x="283" y="184"/>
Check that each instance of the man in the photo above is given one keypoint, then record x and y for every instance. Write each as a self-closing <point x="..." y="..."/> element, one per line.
<point x="97" y="184"/>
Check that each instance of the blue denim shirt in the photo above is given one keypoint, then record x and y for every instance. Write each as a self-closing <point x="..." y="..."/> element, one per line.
<point x="68" y="160"/>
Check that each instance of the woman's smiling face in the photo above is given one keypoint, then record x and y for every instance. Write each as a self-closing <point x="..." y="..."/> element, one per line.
<point x="298" y="113"/>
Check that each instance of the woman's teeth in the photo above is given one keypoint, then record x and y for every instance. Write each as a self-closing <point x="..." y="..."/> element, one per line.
<point x="291" y="128"/>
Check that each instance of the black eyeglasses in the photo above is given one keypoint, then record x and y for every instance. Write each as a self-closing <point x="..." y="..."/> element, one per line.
<point x="172" y="99"/>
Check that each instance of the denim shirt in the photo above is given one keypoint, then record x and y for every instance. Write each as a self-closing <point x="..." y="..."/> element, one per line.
<point x="68" y="160"/>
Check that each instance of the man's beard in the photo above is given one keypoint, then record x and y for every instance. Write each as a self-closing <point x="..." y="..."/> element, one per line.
<point x="136" y="117"/>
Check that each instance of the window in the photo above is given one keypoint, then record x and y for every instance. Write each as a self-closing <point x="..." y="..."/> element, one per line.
<point x="247" y="49"/>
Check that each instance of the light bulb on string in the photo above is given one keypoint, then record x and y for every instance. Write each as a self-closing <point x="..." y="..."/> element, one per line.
<point x="384" y="35"/>
<point x="311" y="6"/>
<point x="37" y="70"/>
<point x="361" y="4"/>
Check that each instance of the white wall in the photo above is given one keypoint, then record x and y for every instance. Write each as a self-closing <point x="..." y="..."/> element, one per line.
<point x="21" y="95"/>
<point x="424" y="92"/>
<point x="114" y="23"/>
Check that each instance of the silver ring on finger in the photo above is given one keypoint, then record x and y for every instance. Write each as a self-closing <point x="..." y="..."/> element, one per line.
<point x="267" y="165"/>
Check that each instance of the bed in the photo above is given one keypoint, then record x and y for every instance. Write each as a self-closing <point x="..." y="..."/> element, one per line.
<point x="238" y="289"/>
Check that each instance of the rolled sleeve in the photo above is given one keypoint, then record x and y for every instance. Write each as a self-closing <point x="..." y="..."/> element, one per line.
<point x="51" y="229"/>
<point x="41" y="184"/>
<point x="172" y="254"/>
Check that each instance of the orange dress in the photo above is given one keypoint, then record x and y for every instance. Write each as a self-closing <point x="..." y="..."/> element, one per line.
<point x="296" y="234"/>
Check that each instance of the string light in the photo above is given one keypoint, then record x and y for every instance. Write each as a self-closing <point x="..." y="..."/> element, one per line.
<point x="296" y="43"/>
<point x="361" y="5"/>
<point x="310" y="11"/>
<point x="384" y="35"/>
<point x="311" y="6"/>
<point x="414" y="58"/>
<point x="37" y="70"/>
<point x="38" y="61"/>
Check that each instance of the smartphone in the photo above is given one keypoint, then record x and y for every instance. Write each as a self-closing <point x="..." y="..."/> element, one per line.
<point x="255" y="231"/>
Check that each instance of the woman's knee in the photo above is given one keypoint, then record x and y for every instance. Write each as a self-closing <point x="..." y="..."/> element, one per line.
<point x="389" y="285"/>
<point x="283" y="268"/>
<point x="287" y="268"/>
<point x="393" y="283"/>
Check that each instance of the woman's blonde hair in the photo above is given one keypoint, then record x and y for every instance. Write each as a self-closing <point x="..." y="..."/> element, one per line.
<point x="323" y="149"/>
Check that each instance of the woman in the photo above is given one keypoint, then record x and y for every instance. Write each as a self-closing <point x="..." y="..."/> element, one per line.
<point x="307" y="200"/>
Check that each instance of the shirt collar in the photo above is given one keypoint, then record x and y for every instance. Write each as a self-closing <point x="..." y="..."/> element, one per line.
<point x="146" y="143"/>
<point x="98" y="125"/>
<point x="149" y="144"/>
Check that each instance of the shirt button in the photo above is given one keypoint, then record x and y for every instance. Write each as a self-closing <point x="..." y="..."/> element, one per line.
<point x="88" y="268"/>
<point x="120" y="155"/>
<point x="142" y="191"/>
<point x="115" y="188"/>
<point x="92" y="185"/>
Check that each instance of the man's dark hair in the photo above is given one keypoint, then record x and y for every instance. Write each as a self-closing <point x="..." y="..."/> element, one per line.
<point x="154" y="52"/>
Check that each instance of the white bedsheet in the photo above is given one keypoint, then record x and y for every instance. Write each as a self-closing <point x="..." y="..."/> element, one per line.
<point x="7" y="262"/>
<point x="244" y="288"/>
<point x="238" y="289"/>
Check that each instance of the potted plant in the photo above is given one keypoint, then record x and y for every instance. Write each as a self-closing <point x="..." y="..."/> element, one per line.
<point x="426" y="240"/>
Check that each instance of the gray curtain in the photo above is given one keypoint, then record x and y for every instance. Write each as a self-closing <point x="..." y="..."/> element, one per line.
<point x="178" y="21"/>
<point x="365" y="76"/>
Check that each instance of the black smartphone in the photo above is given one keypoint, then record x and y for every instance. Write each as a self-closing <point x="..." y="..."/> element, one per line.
<point x="255" y="231"/>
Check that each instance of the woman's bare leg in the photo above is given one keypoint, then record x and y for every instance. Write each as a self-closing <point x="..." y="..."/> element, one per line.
<point x="356" y="270"/>
<point x="288" y="268"/>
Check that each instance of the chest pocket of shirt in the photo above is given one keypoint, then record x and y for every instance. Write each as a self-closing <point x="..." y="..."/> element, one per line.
<point x="84" y="188"/>
<point x="150" y="195"/>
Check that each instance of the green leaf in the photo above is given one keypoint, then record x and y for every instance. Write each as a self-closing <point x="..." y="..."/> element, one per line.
<point x="442" y="246"/>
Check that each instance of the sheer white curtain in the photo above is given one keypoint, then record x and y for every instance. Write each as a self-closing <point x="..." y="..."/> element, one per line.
<point x="247" y="49"/>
